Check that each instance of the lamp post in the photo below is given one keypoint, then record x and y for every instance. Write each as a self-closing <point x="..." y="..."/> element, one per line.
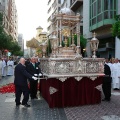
<point x="94" y="45"/>
<point x="54" y="44"/>
<point x="44" y="47"/>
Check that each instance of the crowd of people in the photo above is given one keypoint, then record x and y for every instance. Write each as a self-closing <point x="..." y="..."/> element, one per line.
<point x="114" y="65"/>
<point x="6" y="67"/>
<point x="26" y="71"/>
<point x="29" y="71"/>
<point x="111" y="79"/>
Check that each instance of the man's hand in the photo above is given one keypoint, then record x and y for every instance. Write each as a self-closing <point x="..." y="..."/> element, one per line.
<point x="40" y="74"/>
<point x="35" y="75"/>
<point x="35" y="78"/>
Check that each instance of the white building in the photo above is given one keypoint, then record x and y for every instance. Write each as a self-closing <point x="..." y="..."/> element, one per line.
<point x="53" y="8"/>
<point x="117" y="41"/>
<point x="10" y="18"/>
<point x="65" y="3"/>
<point x="26" y="53"/>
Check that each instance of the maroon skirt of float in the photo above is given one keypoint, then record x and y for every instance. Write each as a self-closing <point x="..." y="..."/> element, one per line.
<point x="71" y="92"/>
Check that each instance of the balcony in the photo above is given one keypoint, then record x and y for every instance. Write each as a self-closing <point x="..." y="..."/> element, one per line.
<point x="75" y="4"/>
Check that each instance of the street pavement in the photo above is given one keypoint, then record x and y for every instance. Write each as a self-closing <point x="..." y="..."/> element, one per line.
<point x="40" y="110"/>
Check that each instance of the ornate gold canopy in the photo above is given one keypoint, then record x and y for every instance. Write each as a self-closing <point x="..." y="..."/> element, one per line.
<point x="33" y="43"/>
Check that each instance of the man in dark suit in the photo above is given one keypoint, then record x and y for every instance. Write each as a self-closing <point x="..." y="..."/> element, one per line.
<point x="33" y="69"/>
<point x="21" y="85"/>
<point x="107" y="83"/>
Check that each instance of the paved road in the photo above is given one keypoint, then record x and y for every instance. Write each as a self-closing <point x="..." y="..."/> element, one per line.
<point x="40" y="110"/>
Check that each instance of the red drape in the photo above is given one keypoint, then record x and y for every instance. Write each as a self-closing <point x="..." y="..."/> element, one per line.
<point x="71" y="92"/>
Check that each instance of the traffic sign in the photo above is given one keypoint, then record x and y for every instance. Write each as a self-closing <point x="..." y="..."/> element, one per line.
<point x="9" y="53"/>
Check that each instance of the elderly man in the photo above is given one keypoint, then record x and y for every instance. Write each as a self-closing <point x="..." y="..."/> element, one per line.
<point x="21" y="85"/>
<point x="33" y="69"/>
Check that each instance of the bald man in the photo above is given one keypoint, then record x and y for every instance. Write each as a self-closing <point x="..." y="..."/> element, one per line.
<point x="21" y="84"/>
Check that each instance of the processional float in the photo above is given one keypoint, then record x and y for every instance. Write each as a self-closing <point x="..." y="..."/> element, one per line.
<point x="69" y="79"/>
<point x="67" y="61"/>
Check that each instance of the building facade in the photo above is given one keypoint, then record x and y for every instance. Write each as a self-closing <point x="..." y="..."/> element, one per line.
<point x="21" y="41"/>
<point x="77" y="7"/>
<point x="98" y="16"/>
<point x="53" y="8"/>
<point x="10" y="18"/>
<point x="65" y="3"/>
<point x="101" y="16"/>
<point x="117" y="41"/>
<point x="40" y="35"/>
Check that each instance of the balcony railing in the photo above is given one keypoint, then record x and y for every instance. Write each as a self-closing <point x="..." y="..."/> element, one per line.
<point x="75" y="4"/>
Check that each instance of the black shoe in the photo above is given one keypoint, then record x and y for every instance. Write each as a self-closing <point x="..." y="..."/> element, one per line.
<point x="116" y="89"/>
<point x="108" y="100"/>
<point x="17" y="104"/>
<point x="104" y="99"/>
<point x="26" y="105"/>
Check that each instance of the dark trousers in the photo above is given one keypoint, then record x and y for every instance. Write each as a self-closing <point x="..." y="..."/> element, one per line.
<point x="33" y="88"/>
<point x="18" y="92"/>
<point x="107" y="87"/>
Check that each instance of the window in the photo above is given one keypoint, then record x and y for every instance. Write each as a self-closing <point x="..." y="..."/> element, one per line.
<point x="99" y="6"/>
<point x="49" y="9"/>
<point x="49" y="2"/>
<point x="102" y="10"/>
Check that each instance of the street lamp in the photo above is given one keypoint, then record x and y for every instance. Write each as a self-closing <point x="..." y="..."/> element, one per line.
<point x="44" y="47"/>
<point x="54" y="44"/>
<point x="94" y="45"/>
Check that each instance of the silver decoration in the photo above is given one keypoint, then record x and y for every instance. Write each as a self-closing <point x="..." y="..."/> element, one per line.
<point x="72" y="67"/>
<point x="78" y="78"/>
<point x="99" y="87"/>
<point x="93" y="78"/>
<point x="94" y="45"/>
<point x="52" y="90"/>
<point x="92" y="67"/>
<point x="65" y="62"/>
<point x="62" y="79"/>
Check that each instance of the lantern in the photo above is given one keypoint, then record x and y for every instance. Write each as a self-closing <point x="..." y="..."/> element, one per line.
<point x="94" y="45"/>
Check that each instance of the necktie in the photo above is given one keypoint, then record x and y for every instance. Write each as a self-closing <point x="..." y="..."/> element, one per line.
<point x="34" y="65"/>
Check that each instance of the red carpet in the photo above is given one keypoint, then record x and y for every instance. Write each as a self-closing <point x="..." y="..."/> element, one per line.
<point x="9" y="88"/>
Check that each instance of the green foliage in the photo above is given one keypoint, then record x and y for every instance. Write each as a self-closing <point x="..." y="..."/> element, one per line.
<point x="1" y="18"/>
<point x="18" y="53"/>
<point x="116" y="27"/>
<point x="7" y="42"/>
<point x="14" y="47"/>
<point x="83" y="41"/>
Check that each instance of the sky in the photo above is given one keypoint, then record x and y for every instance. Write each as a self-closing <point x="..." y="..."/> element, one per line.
<point x="31" y="14"/>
